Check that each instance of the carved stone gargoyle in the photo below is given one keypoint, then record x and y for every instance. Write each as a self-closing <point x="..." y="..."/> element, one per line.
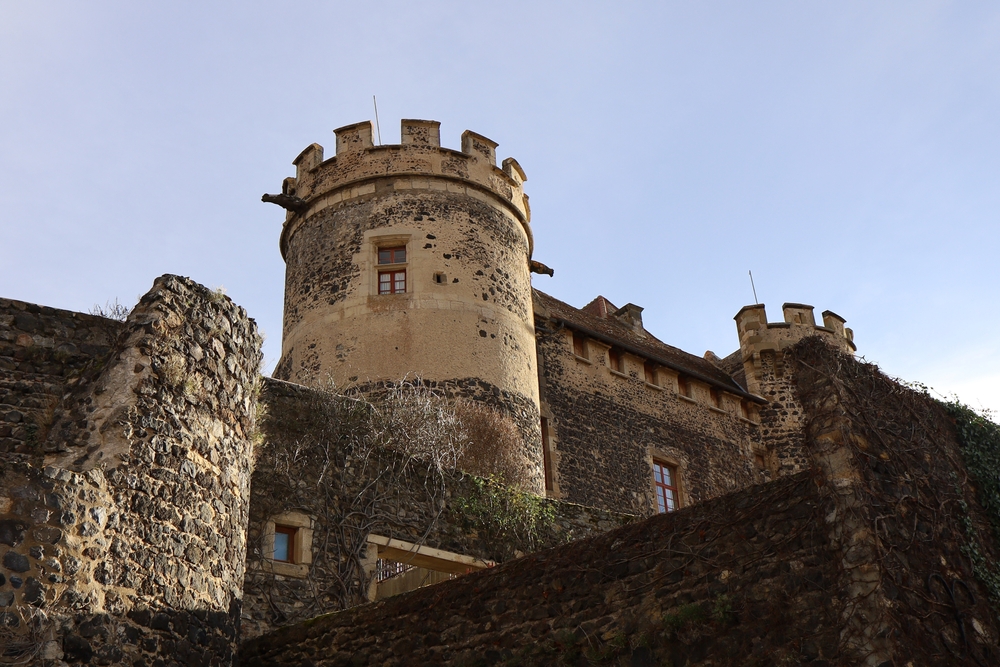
<point x="287" y="202"/>
<point x="538" y="267"/>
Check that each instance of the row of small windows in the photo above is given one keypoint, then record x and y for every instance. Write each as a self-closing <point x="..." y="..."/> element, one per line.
<point x="616" y="363"/>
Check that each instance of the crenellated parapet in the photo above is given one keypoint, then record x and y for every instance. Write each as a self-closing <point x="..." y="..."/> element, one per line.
<point x="418" y="162"/>
<point x="758" y="336"/>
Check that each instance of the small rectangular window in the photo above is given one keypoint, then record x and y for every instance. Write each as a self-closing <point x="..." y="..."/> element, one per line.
<point x="284" y="543"/>
<point x="580" y="345"/>
<point x="683" y="386"/>
<point x="616" y="361"/>
<point x="716" y="398"/>
<point x="392" y="255"/>
<point x="649" y="369"/>
<point x="392" y="282"/>
<point x="665" y="484"/>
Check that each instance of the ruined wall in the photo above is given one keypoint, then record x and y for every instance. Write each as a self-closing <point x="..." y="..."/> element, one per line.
<point x="605" y="428"/>
<point x="322" y="460"/>
<point x="762" y="346"/>
<point x="465" y="316"/>
<point x="43" y="352"/>
<point x="122" y="533"/>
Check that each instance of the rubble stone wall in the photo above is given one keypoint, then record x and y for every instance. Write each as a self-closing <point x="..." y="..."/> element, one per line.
<point x="744" y="577"/>
<point x="605" y="428"/>
<point x="123" y="540"/>
<point x="379" y="492"/>
<point x="43" y="352"/>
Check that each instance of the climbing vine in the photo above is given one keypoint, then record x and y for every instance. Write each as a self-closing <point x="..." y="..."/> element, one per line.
<point x="979" y="439"/>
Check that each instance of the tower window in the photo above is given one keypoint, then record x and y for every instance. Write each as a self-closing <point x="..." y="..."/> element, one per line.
<point x="665" y="485"/>
<point x="392" y="255"/>
<point x="392" y="282"/>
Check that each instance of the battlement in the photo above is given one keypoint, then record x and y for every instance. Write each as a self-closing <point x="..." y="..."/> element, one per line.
<point x="758" y="336"/>
<point x="418" y="162"/>
<point x="799" y="322"/>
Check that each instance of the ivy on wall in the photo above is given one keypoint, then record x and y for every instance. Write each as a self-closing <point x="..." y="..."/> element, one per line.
<point x="979" y="439"/>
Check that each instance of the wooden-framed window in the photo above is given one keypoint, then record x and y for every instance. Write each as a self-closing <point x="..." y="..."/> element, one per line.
<point x="649" y="370"/>
<point x="616" y="360"/>
<point x="665" y="485"/>
<point x="392" y="281"/>
<point x="284" y="543"/>
<point x="683" y="386"/>
<point x="396" y="255"/>
<point x="580" y="345"/>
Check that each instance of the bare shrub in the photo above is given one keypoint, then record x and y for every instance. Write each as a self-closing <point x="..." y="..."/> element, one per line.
<point x="491" y="444"/>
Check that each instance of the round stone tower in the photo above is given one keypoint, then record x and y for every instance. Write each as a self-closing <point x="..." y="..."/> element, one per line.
<point x="411" y="261"/>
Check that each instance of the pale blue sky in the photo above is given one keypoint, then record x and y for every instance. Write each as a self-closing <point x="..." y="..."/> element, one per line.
<point x="846" y="152"/>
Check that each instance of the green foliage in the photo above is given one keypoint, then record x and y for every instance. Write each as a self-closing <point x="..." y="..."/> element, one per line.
<point x="511" y="519"/>
<point x="979" y="438"/>
<point x="684" y="616"/>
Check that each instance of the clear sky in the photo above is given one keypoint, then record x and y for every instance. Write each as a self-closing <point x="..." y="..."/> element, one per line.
<point x="845" y="152"/>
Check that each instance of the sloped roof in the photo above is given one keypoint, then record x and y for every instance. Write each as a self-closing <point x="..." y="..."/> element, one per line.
<point x="614" y="332"/>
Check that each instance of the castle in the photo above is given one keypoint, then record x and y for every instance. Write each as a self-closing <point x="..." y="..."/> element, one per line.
<point x="151" y="512"/>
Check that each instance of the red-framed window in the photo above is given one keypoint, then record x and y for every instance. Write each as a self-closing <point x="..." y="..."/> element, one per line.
<point x="284" y="543"/>
<point x="396" y="255"/>
<point x="665" y="483"/>
<point x="392" y="282"/>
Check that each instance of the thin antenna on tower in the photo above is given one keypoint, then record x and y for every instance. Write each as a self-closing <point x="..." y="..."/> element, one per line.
<point x="377" y="128"/>
<point x="753" y="288"/>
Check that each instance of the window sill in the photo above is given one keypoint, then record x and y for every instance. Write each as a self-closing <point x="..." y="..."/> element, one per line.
<point x="296" y="570"/>
<point x="748" y="421"/>
<point x="618" y="373"/>
<point x="719" y="410"/>
<point x="686" y="398"/>
<point x="654" y="386"/>
<point x="584" y="360"/>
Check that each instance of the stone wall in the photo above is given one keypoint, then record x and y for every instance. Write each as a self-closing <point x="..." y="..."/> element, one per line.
<point x="605" y="429"/>
<point x="43" y="352"/>
<point x="322" y="460"/>
<point x="747" y="575"/>
<point x="768" y="374"/>
<point x="867" y="559"/>
<point x="122" y="533"/>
